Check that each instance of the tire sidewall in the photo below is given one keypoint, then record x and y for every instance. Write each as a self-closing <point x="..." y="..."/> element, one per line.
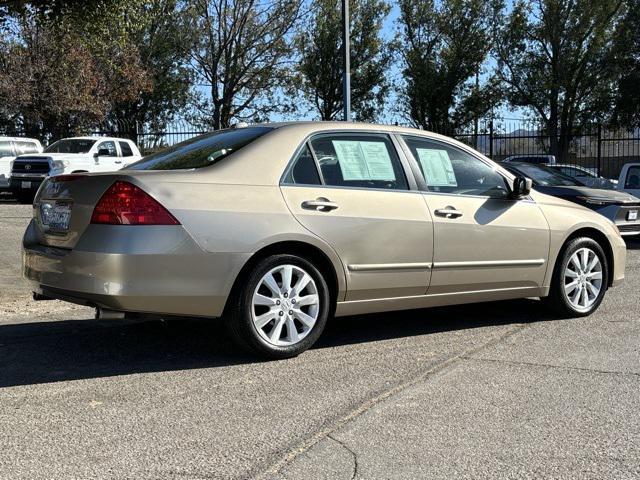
<point x="248" y="328"/>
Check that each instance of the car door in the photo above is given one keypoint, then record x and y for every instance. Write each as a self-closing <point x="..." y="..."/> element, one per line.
<point x="352" y="190"/>
<point x="107" y="159"/>
<point x="483" y="239"/>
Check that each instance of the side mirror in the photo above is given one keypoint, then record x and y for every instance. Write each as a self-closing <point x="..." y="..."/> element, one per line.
<point x="521" y="187"/>
<point x="103" y="152"/>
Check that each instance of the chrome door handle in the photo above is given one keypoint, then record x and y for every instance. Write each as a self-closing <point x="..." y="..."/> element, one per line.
<point x="118" y="161"/>
<point x="448" y="212"/>
<point x="319" y="204"/>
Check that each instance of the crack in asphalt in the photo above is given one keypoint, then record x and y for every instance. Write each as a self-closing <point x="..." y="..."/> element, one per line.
<point x="353" y="454"/>
<point x="548" y="365"/>
<point x="305" y="445"/>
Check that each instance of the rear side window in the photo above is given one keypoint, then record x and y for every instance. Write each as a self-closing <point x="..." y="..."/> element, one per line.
<point x="633" y="178"/>
<point x="125" y="148"/>
<point x="355" y="160"/>
<point x="201" y="151"/>
<point x="304" y="170"/>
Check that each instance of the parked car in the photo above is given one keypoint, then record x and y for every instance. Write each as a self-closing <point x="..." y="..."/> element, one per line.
<point x="10" y="148"/>
<point x="619" y="207"/>
<point x="276" y="227"/>
<point x="534" y="159"/>
<point x="586" y="176"/>
<point x="629" y="180"/>
<point x="70" y="155"/>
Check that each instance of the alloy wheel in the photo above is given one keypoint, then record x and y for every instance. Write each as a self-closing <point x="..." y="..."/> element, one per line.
<point x="285" y="305"/>
<point x="583" y="279"/>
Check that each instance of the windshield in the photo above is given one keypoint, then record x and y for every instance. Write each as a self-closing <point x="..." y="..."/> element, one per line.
<point x="71" y="146"/>
<point x="547" y="177"/>
<point x="201" y="151"/>
<point x="6" y="149"/>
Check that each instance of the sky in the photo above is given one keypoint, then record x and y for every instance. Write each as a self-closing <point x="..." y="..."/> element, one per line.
<point x="389" y="31"/>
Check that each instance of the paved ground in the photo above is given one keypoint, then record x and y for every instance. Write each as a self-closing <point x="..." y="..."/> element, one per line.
<point x="497" y="390"/>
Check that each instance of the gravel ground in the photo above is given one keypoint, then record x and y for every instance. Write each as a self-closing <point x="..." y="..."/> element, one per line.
<point x="498" y="390"/>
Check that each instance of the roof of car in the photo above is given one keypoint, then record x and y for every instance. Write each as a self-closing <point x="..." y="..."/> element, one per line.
<point x="96" y="138"/>
<point x="18" y="139"/>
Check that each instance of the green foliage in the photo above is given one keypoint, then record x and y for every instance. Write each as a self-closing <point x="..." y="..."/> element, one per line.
<point x="72" y="65"/>
<point x="163" y="37"/>
<point x="320" y="49"/>
<point x="443" y="47"/>
<point x="626" y="59"/>
<point x="552" y="57"/>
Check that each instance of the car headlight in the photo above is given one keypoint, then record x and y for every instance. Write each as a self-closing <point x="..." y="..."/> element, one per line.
<point x="58" y="165"/>
<point x="598" y="200"/>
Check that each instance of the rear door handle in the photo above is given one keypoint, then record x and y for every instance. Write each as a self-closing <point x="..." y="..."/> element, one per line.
<point x="319" y="204"/>
<point x="448" y="212"/>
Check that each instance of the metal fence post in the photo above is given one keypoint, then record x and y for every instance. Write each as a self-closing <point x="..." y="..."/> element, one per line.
<point x="491" y="139"/>
<point x="599" y="160"/>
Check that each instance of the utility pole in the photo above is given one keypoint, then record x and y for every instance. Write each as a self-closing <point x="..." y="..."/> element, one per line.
<point x="346" y="78"/>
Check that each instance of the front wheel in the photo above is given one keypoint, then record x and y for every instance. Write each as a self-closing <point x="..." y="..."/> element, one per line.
<point x="281" y="309"/>
<point x="580" y="279"/>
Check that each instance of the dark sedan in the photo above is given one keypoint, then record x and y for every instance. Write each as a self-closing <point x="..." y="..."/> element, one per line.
<point x="620" y="207"/>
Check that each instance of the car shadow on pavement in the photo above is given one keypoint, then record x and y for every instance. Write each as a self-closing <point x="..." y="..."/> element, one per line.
<point x="41" y="352"/>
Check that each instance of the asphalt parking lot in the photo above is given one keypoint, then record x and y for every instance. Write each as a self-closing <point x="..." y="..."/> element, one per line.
<point x="499" y="390"/>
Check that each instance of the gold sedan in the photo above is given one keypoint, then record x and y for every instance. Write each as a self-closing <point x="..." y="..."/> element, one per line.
<point x="276" y="227"/>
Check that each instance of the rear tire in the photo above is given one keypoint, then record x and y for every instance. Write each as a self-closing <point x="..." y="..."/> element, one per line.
<point x="580" y="279"/>
<point x="280" y="309"/>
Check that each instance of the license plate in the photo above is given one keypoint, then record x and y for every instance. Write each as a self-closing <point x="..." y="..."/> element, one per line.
<point x="55" y="215"/>
<point x="26" y="184"/>
<point x="632" y="215"/>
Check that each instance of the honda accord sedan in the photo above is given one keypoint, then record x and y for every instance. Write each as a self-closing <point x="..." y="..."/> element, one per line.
<point x="277" y="227"/>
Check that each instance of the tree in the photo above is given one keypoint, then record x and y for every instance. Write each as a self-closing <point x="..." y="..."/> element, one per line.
<point x="58" y="78"/>
<point x="163" y="39"/>
<point x="552" y="56"/>
<point x="319" y="45"/>
<point x="240" y="55"/>
<point x="626" y="56"/>
<point x="443" y="48"/>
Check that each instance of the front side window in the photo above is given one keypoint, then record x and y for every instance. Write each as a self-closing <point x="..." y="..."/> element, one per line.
<point x="358" y="160"/>
<point x="26" y="147"/>
<point x="125" y="148"/>
<point x="6" y="149"/>
<point x="447" y="169"/>
<point x="110" y="147"/>
<point x="633" y="178"/>
<point x="72" y="145"/>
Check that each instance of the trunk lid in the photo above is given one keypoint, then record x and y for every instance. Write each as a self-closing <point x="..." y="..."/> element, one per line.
<point x="72" y="196"/>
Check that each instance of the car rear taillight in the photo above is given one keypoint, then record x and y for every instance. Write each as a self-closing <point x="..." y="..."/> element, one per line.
<point x="125" y="204"/>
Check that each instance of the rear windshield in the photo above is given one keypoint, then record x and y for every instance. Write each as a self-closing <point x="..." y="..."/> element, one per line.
<point x="200" y="151"/>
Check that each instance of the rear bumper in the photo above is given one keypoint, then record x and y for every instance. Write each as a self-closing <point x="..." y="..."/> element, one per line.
<point x="157" y="270"/>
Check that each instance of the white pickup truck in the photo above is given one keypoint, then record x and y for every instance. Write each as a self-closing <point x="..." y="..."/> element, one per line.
<point x="70" y="155"/>
<point x="10" y="148"/>
<point x="630" y="179"/>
